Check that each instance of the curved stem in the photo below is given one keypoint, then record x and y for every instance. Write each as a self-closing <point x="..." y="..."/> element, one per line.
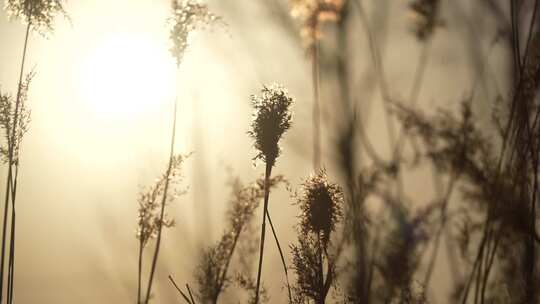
<point x="281" y="255"/>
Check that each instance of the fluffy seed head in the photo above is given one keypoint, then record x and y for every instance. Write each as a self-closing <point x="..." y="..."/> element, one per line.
<point x="321" y="205"/>
<point x="311" y="13"/>
<point x="187" y="16"/>
<point x="271" y="118"/>
<point x="39" y="14"/>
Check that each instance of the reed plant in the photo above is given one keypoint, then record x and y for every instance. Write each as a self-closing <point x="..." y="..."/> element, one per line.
<point x="271" y="119"/>
<point x="321" y="204"/>
<point x="312" y="14"/>
<point x="186" y="16"/>
<point x="38" y="15"/>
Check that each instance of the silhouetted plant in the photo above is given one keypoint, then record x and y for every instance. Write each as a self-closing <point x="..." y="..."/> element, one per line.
<point x="212" y="273"/>
<point x="151" y="215"/>
<point x="497" y="209"/>
<point x="312" y="13"/>
<point x="187" y="15"/>
<point x="271" y="118"/>
<point x="7" y="121"/>
<point x="399" y="257"/>
<point x="38" y="15"/>
<point x="321" y="204"/>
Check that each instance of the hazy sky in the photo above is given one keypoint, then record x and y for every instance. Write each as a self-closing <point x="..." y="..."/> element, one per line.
<point x="101" y="102"/>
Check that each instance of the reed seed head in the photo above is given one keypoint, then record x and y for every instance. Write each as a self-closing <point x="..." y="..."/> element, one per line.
<point x="311" y="13"/>
<point x="271" y="118"/>
<point x="321" y="205"/>
<point x="39" y="14"/>
<point x="187" y="16"/>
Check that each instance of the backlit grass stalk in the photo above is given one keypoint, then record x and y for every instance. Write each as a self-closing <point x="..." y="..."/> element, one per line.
<point x="152" y="218"/>
<point x="272" y="117"/>
<point x="12" y="181"/>
<point x="315" y="74"/>
<point x="281" y="255"/>
<point x="38" y="15"/>
<point x="162" y="211"/>
<point x="186" y="16"/>
<point x="311" y="14"/>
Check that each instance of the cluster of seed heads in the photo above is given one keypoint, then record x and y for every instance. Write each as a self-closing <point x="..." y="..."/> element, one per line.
<point x="271" y="118"/>
<point x="311" y="13"/>
<point x="187" y="16"/>
<point x="39" y="14"/>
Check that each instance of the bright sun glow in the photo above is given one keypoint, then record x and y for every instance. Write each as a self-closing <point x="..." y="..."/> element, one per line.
<point x="125" y="75"/>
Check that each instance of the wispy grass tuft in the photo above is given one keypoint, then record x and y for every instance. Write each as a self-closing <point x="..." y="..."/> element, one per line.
<point x="212" y="273"/>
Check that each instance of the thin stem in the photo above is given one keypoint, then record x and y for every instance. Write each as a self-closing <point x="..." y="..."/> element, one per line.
<point x="321" y="270"/>
<point x="316" y="106"/>
<point x="139" y="275"/>
<point x="281" y="255"/>
<point x="444" y="209"/>
<point x="11" y="263"/>
<point x="162" y="213"/>
<point x="179" y="290"/>
<point x="190" y="294"/>
<point x="263" y="227"/>
<point x="223" y="275"/>
<point x="11" y="148"/>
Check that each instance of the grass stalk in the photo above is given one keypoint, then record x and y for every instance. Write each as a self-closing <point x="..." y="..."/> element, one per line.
<point x="315" y="73"/>
<point x="162" y="212"/>
<point x="139" y="275"/>
<point x="190" y="294"/>
<point x="10" y="182"/>
<point x="11" y="263"/>
<point x="180" y="290"/>
<point x="267" y="174"/>
<point x="280" y="255"/>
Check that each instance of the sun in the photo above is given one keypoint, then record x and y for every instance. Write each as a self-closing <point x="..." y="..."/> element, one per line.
<point x="125" y="75"/>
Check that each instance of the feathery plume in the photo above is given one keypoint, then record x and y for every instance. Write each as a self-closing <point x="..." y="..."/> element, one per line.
<point x="150" y="203"/>
<point x="7" y="120"/>
<point x="271" y="118"/>
<point x="311" y="13"/>
<point x="39" y="14"/>
<point x="321" y="205"/>
<point x="187" y="16"/>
